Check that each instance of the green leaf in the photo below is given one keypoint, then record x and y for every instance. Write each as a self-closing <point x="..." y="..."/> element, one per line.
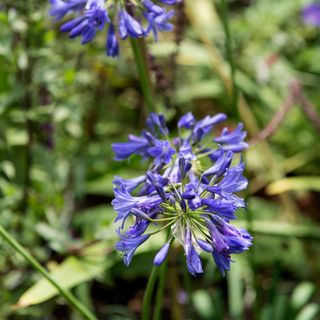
<point x="280" y="307"/>
<point x="281" y="229"/>
<point x="11" y="97"/>
<point x="104" y="184"/>
<point x="205" y="17"/>
<point x="101" y="186"/>
<point x="204" y="89"/>
<point x="68" y="274"/>
<point x="294" y="184"/>
<point x="190" y="54"/>
<point x="57" y="237"/>
<point x="15" y="137"/>
<point x="302" y="294"/>
<point x="203" y="304"/>
<point x="309" y="312"/>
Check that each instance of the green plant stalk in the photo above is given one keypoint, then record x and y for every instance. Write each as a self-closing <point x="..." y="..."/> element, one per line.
<point x="159" y="296"/>
<point x="187" y="282"/>
<point x="226" y="28"/>
<point x="144" y="76"/>
<point x="235" y="292"/>
<point x="148" y="293"/>
<point x="72" y="300"/>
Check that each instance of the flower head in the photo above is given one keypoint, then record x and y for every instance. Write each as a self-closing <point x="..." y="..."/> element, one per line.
<point x="133" y="19"/>
<point x="190" y="189"/>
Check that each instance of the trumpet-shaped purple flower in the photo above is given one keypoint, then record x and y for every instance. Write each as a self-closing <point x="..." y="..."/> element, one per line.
<point x="222" y="207"/>
<point x="182" y="192"/>
<point x="129" y="245"/>
<point x="187" y="121"/>
<point x="204" y="126"/>
<point x="60" y="8"/>
<point x="94" y="18"/>
<point x="162" y="152"/>
<point x="129" y="26"/>
<point x="132" y="19"/>
<point x="152" y="7"/>
<point x="124" y="202"/>
<point x="157" y="125"/>
<point x="135" y="145"/>
<point x="222" y="163"/>
<point x="233" y="140"/>
<point x="194" y="264"/>
<point x="233" y="181"/>
<point x="159" y="22"/>
<point x="236" y="241"/>
<point x="129" y="184"/>
<point x="171" y="2"/>
<point x="222" y="260"/>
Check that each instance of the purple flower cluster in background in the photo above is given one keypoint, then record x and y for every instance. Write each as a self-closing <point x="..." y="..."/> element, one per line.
<point x="311" y="14"/>
<point x="127" y="18"/>
<point x="188" y="190"/>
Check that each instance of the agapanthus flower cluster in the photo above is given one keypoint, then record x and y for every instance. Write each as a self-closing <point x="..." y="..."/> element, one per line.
<point x="189" y="191"/>
<point x="124" y="18"/>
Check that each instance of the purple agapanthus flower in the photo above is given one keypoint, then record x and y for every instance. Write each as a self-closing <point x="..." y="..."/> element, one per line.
<point x="136" y="145"/>
<point x="129" y="245"/>
<point x="133" y="19"/>
<point x="233" y="140"/>
<point x="311" y="14"/>
<point x="191" y="189"/>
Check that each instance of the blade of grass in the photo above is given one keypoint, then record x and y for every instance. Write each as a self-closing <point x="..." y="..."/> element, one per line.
<point x="228" y="45"/>
<point x="72" y="300"/>
<point x="280" y="229"/>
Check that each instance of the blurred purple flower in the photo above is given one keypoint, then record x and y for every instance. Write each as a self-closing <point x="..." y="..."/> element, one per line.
<point x="311" y="14"/>
<point x="133" y="19"/>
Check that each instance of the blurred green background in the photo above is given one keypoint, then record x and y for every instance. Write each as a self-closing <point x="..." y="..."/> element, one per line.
<point x="63" y="104"/>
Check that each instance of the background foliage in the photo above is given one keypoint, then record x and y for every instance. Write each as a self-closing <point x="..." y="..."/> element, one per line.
<point x="63" y="104"/>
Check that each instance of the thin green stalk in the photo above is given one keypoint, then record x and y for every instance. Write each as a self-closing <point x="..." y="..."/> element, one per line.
<point x="73" y="301"/>
<point x="251" y="258"/>
<point x="228" y="42"/>
<point x="144" y="76"/>
<point x="160" y="289"/>
<point x="187" y="282"/>
<point x="235" y="292"/>
<point x="173" y="278"/>
<point x="148" y="294"/>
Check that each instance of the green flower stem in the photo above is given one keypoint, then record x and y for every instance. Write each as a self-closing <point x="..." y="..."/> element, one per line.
<point x="160" y="289"/>
<point x="73" y="301"/>
<point x="225" y="23"/>
<point x="148" y="293"/>
<point x="144" y="76"/>
<point x="187" y="282"/>
<point x="235" y="292"/>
